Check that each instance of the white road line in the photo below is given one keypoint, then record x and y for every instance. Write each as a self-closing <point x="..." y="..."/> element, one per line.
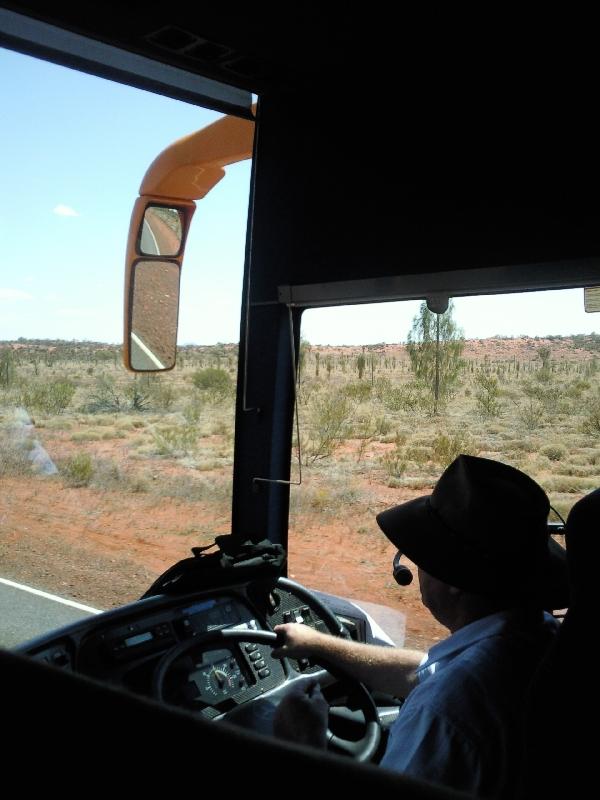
<point x="156" y="247"/>
<point x="145" y="350"/>
<point x="54" y="597"/>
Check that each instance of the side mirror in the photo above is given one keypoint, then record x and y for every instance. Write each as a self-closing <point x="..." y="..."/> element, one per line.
<point x="186" y="171"/>
<point x="154" y="312"/>
<point x="161" y="231"/>
<point x="155" y="252"/>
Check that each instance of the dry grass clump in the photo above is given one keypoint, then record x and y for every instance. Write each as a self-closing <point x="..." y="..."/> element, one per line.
<point x="555" y="452"/>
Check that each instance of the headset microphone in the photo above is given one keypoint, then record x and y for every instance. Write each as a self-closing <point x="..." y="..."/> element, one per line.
<point x="402" y="575"/>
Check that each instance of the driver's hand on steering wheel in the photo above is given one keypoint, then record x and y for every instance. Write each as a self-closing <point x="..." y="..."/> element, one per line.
<point x="302" y="716"/>
<point x="296" y="640"/>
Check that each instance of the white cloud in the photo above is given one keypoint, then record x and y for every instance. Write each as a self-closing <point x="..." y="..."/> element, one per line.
<point x="14" y="294"/>
<point x="65" y="211"/>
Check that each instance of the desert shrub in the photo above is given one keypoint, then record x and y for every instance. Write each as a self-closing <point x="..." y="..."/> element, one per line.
<point x="359" y="392"/>
<point x="14" y="458"/>
<point x="418" y="483"/>
<point x="383" y="425"/>
<point x="176" y="440"/>
<point x="113" y="433"/>
<point x="393" y="398"/>
<point x="78" y="470"/>
<point x="446" y="447"/>
<point x="487" y="395"/>
<point x="576" y="388"/>
<point x="107" y="475"/>
<point x="222" y="427"/>
<point x="214" y="380"/>
<point x="575" y="470"/>
<point x="566" y="484"/>
<point x="555" y="452"/>
<point x="139" y="399"/>
<point x="105" y="398"/>
<point x="591" y="422"/>
<point x="86" y="436"/>
<point x="49" y="398"/>
<point x="420" y="455"/>
<point x="61" y="424"/>
<point x="327" y="497"/>
<point x="331" y="415"/>
<point x="522" y="445"/>
<point x="192" y="411"/>
<point x="382" y="387"/>
<point x="162" y="395"/>
<point x="394" y="464"/>
<point x="532" y="415"/>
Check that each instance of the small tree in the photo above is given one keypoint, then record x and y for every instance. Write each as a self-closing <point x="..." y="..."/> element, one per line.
<point x="8" y="369"/>
<point x="487" y="394"/>
<point x="435" y="344"/>
<point x="360" y="365"/>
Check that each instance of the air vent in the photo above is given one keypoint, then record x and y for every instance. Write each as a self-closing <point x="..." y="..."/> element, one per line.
<point x="171" y="38"/>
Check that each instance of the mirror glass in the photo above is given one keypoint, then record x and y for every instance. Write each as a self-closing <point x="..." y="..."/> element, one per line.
<point x="155" y="307"/>
<point x="161" y="232"/>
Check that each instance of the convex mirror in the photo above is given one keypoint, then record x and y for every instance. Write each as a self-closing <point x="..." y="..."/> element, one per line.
<point x="161" y="232"/>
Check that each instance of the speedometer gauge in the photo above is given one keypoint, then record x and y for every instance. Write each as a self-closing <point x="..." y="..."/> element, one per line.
<point x="217" y="676"/>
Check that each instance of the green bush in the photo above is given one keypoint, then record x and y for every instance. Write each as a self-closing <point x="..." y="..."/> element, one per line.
<point x="487" y="394"/>
<point x="78" y="470"/>
<point x="591" y="422"/>
<point x="420" y="455"/>
<point x="532" y="415"/>
<point x="214" y="380"/>
<point x="174" y="440"/>
<point x="331" y="416"/>
<point x="357" y="391"/>
<point x="448" y="447"/>
<point x="555" y="452"/>
<point x="49" y="398"/>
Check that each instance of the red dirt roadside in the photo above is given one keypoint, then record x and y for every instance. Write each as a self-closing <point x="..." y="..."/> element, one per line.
<point x="105" y="548"/>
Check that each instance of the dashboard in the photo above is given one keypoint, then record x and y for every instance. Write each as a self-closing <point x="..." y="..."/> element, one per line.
<point x="127" y="646"/>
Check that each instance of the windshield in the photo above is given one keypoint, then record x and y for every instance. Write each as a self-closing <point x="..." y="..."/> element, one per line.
<point x="515" y="379"/>
<point x="108" y="478"/>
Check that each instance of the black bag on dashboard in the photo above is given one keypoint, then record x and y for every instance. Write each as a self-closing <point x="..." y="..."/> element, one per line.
<point x="233" y="562"/>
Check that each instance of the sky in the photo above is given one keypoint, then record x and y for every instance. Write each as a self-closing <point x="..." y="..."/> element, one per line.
<point x="73" y="151"/>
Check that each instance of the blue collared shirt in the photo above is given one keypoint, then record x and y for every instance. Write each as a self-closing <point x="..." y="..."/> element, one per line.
<point x="462" y="725"/>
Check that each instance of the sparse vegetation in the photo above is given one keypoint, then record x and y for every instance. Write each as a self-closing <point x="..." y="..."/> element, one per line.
<point x="368" y="434"/>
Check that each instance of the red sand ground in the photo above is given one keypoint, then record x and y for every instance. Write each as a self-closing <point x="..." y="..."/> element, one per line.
<point x="104" y="548"/>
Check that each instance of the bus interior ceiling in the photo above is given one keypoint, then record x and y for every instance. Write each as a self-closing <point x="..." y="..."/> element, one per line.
<point x="380" y="172"/>
<point x="381" y="151"/>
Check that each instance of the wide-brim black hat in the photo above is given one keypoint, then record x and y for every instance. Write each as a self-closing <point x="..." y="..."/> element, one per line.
<point x="484" y="530"/>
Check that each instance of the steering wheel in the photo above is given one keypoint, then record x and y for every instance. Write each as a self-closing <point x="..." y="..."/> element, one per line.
<point x="362" y="750"/>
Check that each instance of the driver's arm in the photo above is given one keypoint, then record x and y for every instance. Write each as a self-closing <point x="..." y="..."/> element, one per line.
<point x="385" y="669"/>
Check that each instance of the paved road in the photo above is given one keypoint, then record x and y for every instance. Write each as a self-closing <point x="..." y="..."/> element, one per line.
<point x="26" y="612"/>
